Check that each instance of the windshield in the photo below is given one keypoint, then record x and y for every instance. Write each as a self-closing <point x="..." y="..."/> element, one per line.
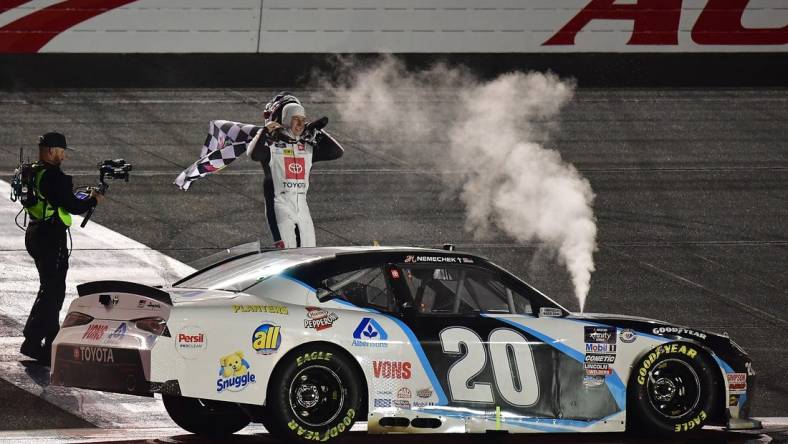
<point x="243" y="272"/>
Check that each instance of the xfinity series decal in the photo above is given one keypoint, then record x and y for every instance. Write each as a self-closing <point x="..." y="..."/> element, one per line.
<point x="234" y="374"/>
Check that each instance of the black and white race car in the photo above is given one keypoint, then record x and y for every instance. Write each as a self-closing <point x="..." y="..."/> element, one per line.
<point x="309" y="341"/>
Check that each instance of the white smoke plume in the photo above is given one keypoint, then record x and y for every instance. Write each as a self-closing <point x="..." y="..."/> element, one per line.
<point x="495" y="134"/>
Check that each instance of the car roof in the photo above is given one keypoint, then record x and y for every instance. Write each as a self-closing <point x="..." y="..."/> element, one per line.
<point x="280" y="260"/>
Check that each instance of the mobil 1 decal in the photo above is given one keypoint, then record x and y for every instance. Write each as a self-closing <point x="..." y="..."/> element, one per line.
<point x="485" y="363"/>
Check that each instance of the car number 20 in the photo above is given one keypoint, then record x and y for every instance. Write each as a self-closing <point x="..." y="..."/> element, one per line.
<point x="512" y="364"/>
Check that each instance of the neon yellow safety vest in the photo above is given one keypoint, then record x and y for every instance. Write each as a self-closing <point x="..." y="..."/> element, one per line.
<point x="43" y="210"/>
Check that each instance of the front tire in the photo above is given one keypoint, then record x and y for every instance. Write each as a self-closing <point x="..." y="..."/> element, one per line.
<point x="674" y="389"/>
<point x="205" y="417"/>
<point x="315" y="394"/>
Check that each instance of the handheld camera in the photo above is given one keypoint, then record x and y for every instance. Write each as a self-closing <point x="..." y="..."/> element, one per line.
<point x="108" y="169"/>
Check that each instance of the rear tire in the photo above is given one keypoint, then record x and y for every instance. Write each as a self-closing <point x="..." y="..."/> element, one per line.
<point x="674" y="389"/>
<point x="315" y="394"/>
<point x="205" y="417"/>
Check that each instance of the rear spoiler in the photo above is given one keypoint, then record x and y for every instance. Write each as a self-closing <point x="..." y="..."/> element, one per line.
<point x="123" y="287"/>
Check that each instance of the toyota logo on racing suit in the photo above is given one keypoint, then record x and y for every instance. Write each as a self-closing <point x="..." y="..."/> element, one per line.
<point x="295" y="168"/>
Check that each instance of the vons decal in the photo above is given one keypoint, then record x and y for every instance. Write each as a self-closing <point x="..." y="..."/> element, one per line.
<point x="190" y="342"/>
<point x="391" y="369"/>
<point x="275" y="309"/>
<point x="266" y="339"/>
<point x="319" y="319"/>
<point x="627" y="336"/>
<point x="95" y="332"/>
<point x="369" y="333"/>
<point x="600" y="335"/>
<point x="234" y="374"/>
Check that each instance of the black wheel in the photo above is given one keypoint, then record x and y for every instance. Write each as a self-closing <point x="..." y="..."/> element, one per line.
<point x="204" y="417"/>
<point x="315" y="394"/>
<point x="674" y="389"/>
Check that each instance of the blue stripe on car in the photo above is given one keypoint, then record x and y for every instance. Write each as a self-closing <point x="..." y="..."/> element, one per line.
<point x="442" y="400"/>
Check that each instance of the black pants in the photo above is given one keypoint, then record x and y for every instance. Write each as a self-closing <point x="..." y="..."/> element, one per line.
<point x="46" y="243"/>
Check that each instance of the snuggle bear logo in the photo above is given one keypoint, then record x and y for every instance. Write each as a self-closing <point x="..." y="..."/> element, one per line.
<point x="234" y="374"/>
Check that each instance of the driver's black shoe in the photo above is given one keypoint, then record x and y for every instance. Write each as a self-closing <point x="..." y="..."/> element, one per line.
<point x="32" y="349"/>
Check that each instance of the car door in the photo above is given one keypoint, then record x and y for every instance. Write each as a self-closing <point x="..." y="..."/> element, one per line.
<point x="492" y="353"/>
<point x="484" y="363"/>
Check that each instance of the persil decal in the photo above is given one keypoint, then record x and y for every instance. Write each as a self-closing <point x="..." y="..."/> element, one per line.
<point x="737" y="383"/>
<point x="600" y="335"/>
<point x="678" y="331"/>
<point x="234" y="373"/>
<point x="190" y="342"/>
<point x="319" y="319"/>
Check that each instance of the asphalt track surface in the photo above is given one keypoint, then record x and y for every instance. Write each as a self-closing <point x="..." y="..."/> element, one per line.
<point x="690" y="190"/>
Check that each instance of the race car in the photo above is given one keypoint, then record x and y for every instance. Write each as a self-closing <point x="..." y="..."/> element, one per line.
<point x="309" y="341"/>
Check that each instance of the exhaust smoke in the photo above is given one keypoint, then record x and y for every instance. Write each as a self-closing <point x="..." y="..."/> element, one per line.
<point x="495" y="133"/>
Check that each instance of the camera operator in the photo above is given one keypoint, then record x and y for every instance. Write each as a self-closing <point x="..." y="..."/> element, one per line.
<point x="45" y="241"/>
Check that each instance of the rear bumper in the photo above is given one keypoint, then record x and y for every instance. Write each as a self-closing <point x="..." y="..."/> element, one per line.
<point x="109" y="369"/>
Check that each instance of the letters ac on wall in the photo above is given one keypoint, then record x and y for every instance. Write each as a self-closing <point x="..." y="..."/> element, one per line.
<point x="656" y="22"/>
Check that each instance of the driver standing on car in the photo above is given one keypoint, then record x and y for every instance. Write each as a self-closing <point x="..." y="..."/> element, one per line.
<point x="45" y="240"/>
<point x="286" y="150"/>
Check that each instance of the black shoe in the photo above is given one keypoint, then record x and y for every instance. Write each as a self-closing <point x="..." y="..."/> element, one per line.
<point x="32" y="349"/>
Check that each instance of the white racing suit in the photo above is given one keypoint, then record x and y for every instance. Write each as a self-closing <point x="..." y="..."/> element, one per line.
<point x="286" y="168"/>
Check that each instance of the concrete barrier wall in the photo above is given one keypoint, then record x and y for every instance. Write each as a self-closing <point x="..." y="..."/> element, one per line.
<point x="399" y="26"/>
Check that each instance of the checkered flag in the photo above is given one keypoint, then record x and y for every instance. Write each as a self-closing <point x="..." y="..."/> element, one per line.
<point x="225" y="142"/>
